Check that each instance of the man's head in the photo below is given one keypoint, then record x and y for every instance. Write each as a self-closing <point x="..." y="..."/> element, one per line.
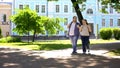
<point x="74" y="19"/>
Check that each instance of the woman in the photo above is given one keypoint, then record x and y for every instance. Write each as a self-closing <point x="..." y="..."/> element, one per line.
<point x="85" y="33"/>
<point x="74" y="33"/>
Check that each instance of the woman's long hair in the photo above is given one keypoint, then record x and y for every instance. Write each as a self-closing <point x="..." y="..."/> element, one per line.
<point x="86" y="21"/>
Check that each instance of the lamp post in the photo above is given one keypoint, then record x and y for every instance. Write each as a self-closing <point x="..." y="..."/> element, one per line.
<point x="47" y="16"/>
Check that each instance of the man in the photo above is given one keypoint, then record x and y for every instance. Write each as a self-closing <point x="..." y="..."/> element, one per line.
<point x="74" y="33"/>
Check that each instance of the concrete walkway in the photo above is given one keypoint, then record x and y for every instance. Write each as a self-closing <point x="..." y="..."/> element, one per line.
<point x="16" y="58"/>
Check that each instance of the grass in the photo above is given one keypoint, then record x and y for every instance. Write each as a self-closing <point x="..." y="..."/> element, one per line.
<point x="115" y="52"/>
<point x="50" y="45"/>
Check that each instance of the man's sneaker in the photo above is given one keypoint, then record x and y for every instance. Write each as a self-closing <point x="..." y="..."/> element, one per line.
<point x="74" y="53"/>
<point x="84" y="53"/>
<point x="88" y="50"/>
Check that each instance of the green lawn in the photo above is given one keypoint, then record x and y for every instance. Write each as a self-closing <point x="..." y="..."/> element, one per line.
<point x="50" y="45"/>
<point x="115" y="52"/>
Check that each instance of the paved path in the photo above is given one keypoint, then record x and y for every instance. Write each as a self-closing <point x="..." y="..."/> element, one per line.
<point x="16" y="58"/>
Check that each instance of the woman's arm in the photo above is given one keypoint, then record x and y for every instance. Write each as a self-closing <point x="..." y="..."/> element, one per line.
<point x="89" y="28"/>
<point x="80" y="28"/>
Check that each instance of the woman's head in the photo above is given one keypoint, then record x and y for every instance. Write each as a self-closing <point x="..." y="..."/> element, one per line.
<point x="84" y="22"/>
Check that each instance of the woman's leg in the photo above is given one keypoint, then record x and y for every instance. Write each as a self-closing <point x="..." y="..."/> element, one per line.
<point x="87" y="43"/>
<point x="83" y="44"/>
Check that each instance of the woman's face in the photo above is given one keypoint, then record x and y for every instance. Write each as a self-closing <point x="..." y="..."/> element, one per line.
<point x="83" y="22"/>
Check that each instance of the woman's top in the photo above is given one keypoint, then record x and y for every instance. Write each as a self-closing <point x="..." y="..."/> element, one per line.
<point x="85" y="30"/>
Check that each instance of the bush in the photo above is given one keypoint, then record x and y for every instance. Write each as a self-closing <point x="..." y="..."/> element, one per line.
<point x="106" y="33"/>
<point x="116" y="33"/>
<point x="10" y="39"/>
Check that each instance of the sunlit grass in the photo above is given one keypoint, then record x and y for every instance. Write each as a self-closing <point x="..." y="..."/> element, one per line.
<point x="115" y="52"/>
<point x="51" y="44"/>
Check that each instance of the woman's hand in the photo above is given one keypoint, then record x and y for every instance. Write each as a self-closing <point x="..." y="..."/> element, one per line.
<point x="80" y="28"/>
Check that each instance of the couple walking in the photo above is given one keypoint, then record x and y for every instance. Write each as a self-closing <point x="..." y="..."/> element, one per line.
<point x="76" y="30"/>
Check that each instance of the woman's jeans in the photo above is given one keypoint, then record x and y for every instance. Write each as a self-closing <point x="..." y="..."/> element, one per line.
<point x="85" y="43"/>
<point x="74" y="40"/>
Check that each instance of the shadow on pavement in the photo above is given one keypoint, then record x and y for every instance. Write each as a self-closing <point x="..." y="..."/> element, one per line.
<point x="105" y="46"/>
<point x="20" y="59"/>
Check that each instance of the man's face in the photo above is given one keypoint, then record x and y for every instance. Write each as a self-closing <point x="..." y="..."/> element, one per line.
<point x="75" y="19"/>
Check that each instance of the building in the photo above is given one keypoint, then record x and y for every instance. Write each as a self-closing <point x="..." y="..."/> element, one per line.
<point x="64" y="9"/>
<point x="5" y="13"/>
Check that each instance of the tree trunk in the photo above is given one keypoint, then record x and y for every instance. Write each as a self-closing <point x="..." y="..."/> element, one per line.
<point x="28" y="36"/>
<point x="78" y="12"/>
<point x="34" y="36"/>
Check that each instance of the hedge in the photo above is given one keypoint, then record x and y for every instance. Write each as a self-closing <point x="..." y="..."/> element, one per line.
<point x="9" y="39"/>
<point x="106" y="33"/>
<point x="116" y="33"/>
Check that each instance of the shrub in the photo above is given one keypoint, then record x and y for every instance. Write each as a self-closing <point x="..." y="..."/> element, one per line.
<point x="116" y="33"/>
<point x="106" y="33"/>
<point x="9" y="39"/>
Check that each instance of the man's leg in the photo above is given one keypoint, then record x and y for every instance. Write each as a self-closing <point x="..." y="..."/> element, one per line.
<point x="75" y="44"/>
<point x="72" y="41"/>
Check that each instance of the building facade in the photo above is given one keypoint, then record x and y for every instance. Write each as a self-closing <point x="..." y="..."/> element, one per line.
<point x="64" y="9"/>
<point x="5" y="13"/>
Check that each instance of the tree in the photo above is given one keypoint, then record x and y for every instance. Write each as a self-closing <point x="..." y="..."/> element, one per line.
<point x="77" y="9"/>
<point x="51" y="25"/>
<point x="27" y="21"/>
<point x="113" y="3"/>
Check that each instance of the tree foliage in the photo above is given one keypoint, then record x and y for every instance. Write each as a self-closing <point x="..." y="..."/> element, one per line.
<point x="27" y="20"/>
<point x="113" y="3"/>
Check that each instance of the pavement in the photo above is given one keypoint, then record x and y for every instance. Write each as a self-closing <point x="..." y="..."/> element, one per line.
<point x="98" y="58"/>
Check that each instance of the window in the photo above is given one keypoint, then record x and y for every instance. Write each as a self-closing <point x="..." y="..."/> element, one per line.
<point x="103" y="22"/>
<point x="73" y="9"/>
<point x="43" y="9"/>
<point x="89" y="11"/>
<point x="118" y="22"/>
<point x="118" y="12"/>
<point x="7" y="34"/>
<point x="66" y="32"/>
<point x="66" y="21"/>
<point x="4" y="17"/>
<point x="65" y="8"/>
<point x="111" y="22"/>
<point x="37" y="8"/>
<point x="57" y="8"/>
<point x="20" y="6"/>
<point x="111" y="10"/>
<point x="57" y="32"/>
<point x="27" y="6"/>
<point x="104" y="9"/>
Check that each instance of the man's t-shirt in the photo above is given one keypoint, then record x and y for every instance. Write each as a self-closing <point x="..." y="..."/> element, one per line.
<point x="72" y="28"/>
